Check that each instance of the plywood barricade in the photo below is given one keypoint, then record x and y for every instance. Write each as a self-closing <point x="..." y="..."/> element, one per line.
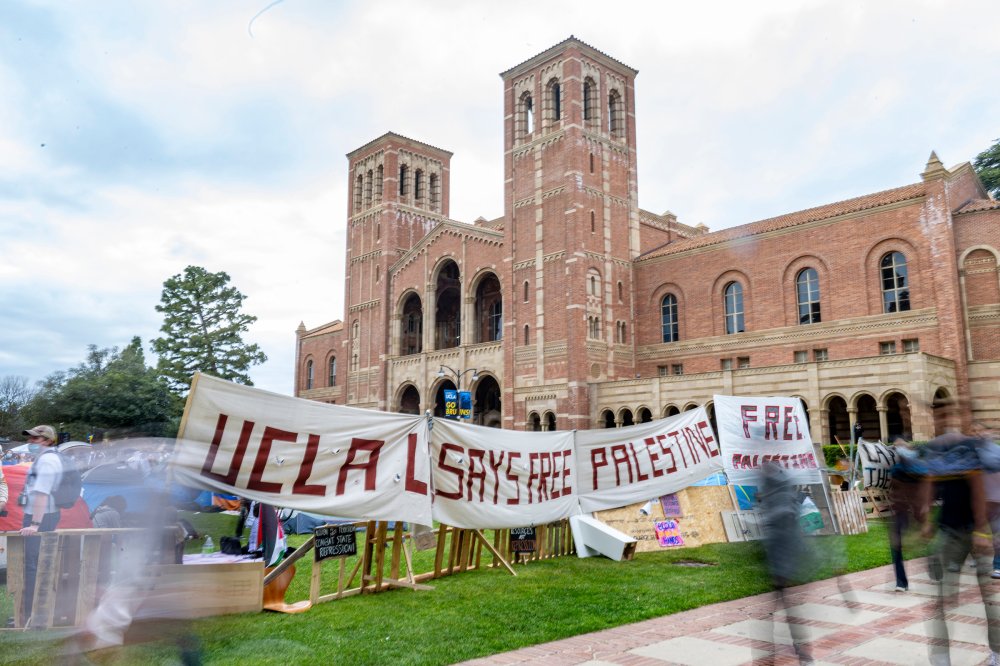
<point x="75" y="566"/>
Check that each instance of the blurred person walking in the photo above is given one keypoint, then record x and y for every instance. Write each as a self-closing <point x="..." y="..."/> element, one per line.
<point x="963" y="528"/>
<point x="908" y="510"/>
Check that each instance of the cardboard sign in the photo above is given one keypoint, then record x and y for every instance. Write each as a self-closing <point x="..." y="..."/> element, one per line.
<point x="668" y="533"/>
<point x="335" y="541"/>
<point x="522" y="539"/>
<point x="877" y="460"/>
<point x="671" y="506"/>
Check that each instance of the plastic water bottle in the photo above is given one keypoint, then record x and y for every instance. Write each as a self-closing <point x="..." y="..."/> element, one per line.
<point x="208" y="547"/>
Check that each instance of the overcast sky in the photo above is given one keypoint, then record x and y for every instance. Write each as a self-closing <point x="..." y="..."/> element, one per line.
<point x="137" y="138"/>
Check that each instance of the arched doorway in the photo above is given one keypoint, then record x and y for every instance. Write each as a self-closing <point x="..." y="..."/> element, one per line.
<point x="409" y="401"/>
<point x="608" y="418"/>
<point x="838" y="423"/>
<point x="486" y="403"/>
<point x="897" y="417"/>
<point x="867" y="416"/>
<point x="448" y="311"/>
<point x="942" y="409"/>
<point x="439" y="397"/>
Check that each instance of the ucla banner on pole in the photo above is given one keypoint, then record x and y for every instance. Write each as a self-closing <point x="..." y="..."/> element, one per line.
<point x="754" y="431"/>
<point x="621" y="466"/>
<point x="491" y="478"/>
<point x="299" y="454"/>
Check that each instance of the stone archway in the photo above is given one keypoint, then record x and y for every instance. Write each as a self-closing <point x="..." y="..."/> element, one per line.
<point x="409" y="401"/>
<point x="838" y="422"/>
<point x="897" y="417"/>
<point x="486" y="406"/>
<point x="867" y="416"/>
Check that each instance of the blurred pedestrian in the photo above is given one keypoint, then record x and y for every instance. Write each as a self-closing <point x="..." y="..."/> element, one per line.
<point x="908" y="510"/>
<point x="40" y="511"/>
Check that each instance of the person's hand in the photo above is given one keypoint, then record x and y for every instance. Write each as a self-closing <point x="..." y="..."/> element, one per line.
<point x="982" y="543"/>
<point x="29" y="530"/>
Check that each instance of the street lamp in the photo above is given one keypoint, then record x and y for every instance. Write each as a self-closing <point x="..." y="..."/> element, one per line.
<point x="445" y="370"/>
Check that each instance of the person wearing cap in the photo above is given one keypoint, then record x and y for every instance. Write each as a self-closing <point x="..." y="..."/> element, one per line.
<point x="40" y="511"/>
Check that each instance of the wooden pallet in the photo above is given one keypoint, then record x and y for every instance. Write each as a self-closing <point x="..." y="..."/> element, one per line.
<point x="850" y="512"/>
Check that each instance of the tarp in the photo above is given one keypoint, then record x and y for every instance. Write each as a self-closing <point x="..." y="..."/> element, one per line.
<point x="76" y="517"/>
<point x="118" y="478"/>
<point x="754" y="431"/>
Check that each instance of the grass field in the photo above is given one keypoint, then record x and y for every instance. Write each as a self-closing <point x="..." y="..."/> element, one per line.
<point x="476" y="613"/>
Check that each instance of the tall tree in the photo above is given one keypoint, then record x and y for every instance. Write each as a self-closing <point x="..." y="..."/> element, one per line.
<point x="987" y="165"/>
<point x="112" y="390"/>
<point x="203" y="329"/>
<point x="15" y="393"/>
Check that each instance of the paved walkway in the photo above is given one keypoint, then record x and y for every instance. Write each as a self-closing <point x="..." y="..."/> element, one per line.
<point x="869" y="624"/>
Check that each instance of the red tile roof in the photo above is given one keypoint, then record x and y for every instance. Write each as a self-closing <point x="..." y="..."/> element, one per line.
<point x="791" y="220"/>
<point x="978" y="204"/>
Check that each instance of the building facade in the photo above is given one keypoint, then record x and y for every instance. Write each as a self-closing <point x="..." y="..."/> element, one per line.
<point x="578" y="309"/>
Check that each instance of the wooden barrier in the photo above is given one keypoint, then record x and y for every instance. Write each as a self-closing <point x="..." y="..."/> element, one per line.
<point x="850" y="513"/>
<point x="553" y="540"/>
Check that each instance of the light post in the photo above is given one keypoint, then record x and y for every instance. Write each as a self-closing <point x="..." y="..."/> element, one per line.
<point x="460" y="405"/>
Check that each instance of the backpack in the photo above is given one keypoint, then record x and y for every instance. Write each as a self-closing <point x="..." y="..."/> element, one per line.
<point x="68" y="491"/>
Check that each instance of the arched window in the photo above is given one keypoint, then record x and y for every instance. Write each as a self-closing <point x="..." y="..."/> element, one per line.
<point x="614" y="114"/>
<point x="418" y="185"/>
<point x="555" y="100"/>
<point x="527" y="335"/>
<point x="309" y="375"/>
<point x="359" y="186"/>
<point x="621" y="292"/>
<point x="525" y="291"/>
<point x="369" y="177"/>
<point x="807" y="296"/>
<point x="402" y="179"/>
<point x="593" y="282"/>
<point x="668" y="318"/>
<point x="435" y="191"/>
<point x="526" y="116"/>
<point x="734" y="308"/>
<point x="379" y="172"/>
<point x="895" y="285"/>
<point x="378" y="231"/>
<point x="333" y="371"/>
<point x="378" y="274"/>
<point x="589" y="94"/>
<point x="593" y="222"/>
<point x="592" y="163"/>
<point x="534" y="422"/>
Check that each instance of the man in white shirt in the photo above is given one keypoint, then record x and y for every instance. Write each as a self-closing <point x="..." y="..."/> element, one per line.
<point x="40" y="511"/>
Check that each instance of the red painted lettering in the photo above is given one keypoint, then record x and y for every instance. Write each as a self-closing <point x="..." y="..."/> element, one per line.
<point x="305" y="470"/>
<point x="412" y="484"/>
<point x="373" y="447"/>
<point x="271" y="435"/>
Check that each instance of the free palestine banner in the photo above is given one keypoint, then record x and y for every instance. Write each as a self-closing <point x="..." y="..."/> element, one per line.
<point x="300" y="454"/>
<point x="754" y="431"/>
<point x="621" y="466"/>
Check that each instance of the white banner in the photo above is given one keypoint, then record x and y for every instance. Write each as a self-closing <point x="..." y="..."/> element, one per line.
<point x="491" y="478"/>
<point x="621" y="466"/>
<point x="877" y="460"/>
<point x="755" y="430"/>
<point x="300" y="454"/>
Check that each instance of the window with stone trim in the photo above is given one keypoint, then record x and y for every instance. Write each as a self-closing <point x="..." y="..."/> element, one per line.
<point x="359" y="188"/>
<point x="807" y="296"/>
<point x="742" y="362"/>
<point x="418" y="185"/>
<point x="527" y="335"/>
<point x="435" y="188"/>
<point x="616" y="124"/>
<point x="525" y="116"/>
<point x="379" y="175"/>
<point x="801" y="356"/>
<point x="887" y="348"/>
<point x="309" y="375"/>
<point x="589" y="97"/>
<point x="677" y="369"/>
<point x="594" y="282"/>
<point x="821" y="355"/>
<point x="593" y="222"/>
<point x="663" y="370"/>
<point x="403" y="175"/>
<point x="895" y="283"/>
<point x="911" y="345"/>
<point x="726" y="364"/>
<point x="553" y="93"/>
<point x="733" y="296"/>
<point x="669" y="326"/>
<point x="621" y="292"/>
<point x="332" y="372"/>
<point x="369" y="185"/>
<point x="526" y="291"/>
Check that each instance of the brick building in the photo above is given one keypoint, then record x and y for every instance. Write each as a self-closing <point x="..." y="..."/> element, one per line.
<point x="578" y="309"/>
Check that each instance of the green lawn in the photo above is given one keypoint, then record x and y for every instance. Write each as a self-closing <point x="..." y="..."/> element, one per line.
<point x="480" y="612"/>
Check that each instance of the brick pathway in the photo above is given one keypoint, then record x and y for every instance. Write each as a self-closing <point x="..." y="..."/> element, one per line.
<point x="866" y="623"/>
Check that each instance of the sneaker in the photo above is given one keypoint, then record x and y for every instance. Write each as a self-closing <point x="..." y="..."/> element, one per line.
<point x="901" y="588"/>
<point x="995" y="574"/>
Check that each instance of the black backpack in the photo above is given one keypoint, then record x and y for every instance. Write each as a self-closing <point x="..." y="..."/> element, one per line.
<point x="67" y="492"/>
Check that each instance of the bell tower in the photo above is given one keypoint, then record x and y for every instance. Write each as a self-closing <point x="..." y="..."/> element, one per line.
<point x="571" y="226"/>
